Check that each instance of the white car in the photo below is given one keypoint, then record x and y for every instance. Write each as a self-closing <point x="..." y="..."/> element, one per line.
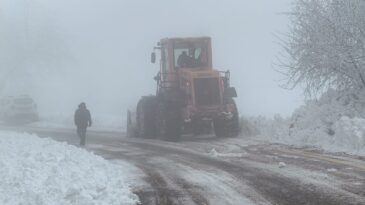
<point x="18" y="109"/>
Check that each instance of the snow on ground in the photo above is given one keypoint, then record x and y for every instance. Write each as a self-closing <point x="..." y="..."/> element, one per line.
<point x="213" y="152"/>
<point x="40" y="171"/>
<point x="335" y="122"/>
<point x="207" y="185"/>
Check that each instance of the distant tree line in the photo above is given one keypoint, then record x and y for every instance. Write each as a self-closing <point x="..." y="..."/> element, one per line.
<point x="325" y="45"/>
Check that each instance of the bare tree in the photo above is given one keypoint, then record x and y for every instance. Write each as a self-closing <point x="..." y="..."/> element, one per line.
<point x="325" y="46"/>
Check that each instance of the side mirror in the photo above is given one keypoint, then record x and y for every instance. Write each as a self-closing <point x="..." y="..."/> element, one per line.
<point x="230" y="92"/>
<point x="153" y="57"/>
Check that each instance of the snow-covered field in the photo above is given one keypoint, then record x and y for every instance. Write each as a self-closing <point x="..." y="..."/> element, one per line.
<point x="40" y="171"/>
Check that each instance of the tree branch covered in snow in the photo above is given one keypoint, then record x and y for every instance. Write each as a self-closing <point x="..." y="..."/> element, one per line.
<point x="325" y="47"/>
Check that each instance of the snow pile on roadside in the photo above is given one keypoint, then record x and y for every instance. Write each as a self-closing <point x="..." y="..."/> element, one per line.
<point x="42" y="171"/>
<point x="335" y="122"/>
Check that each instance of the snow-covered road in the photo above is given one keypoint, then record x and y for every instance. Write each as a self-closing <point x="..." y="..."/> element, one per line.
<point x="208" y="170"/>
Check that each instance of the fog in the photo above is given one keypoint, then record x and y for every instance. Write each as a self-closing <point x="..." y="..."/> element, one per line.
<point x="63" y="52"/>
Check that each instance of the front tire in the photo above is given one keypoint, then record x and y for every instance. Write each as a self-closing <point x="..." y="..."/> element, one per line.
<point x="145" y="117"/>
<point x="227" y="128"/>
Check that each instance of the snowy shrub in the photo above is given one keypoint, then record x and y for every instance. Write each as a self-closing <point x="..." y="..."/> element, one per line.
<point x="247" y="127"/>
<point x="262" y="126"/>
<point x="324" y="51"/>
<point x="334" y="122"/>
<point x="350" y="133"/>
<point x="324" y="47"/>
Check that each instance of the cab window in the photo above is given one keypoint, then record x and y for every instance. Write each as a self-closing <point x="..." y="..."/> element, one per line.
<point x="190" y="55"/>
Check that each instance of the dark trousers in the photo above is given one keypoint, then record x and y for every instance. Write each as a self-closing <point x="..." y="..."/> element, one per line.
<point x="81" y="132"/>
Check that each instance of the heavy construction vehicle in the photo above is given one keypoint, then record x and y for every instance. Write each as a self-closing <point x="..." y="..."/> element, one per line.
<point x="191" y="96"/>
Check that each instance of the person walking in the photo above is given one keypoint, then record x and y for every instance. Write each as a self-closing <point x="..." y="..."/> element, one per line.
<point x="82" y="121"/>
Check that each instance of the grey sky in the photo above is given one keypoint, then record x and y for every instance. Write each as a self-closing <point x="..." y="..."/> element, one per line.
<point x="103" y="47"/>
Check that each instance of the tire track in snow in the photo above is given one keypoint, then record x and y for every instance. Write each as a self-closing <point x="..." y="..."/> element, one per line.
<point x="276" y="188"/>
<point x="163" y="188"/>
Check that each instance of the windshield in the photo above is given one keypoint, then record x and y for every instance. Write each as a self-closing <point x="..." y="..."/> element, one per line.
<point x="190" y="55"/>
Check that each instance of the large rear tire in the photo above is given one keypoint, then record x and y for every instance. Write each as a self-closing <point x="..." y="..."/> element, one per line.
<point x="145" y="117"/>
<point x="228" y="128"/>
<point x="169" y="122"/>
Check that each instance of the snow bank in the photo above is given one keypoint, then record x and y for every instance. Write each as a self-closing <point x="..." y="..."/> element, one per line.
<point x="334" y="122"/>
<point x="42" y="171"/>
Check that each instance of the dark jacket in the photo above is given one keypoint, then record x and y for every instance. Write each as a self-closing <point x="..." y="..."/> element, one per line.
<point x="82" y="117"/>
<point x="184" y="61"/>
